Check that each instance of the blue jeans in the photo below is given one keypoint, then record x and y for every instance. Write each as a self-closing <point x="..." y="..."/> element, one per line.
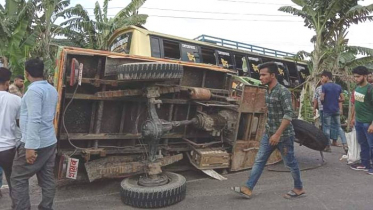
<point x="286" y="147"/>
<point x="365" y="140"/>
<point x="332" y="127"/>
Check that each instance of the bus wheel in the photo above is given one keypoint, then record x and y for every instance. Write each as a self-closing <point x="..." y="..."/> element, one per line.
<point x="309" y="135"/>
<point x="150" y="71"/>
<point x="135" y="194"/>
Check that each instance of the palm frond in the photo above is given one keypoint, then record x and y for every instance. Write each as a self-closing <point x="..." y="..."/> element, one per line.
<point x="133" y="20"/>
<point x="78" y="10"/>
<point x="360" y="62"/>
<point x="97" y="12"/>
<point x="301" y="3"/>
<point x="360" y="50"/>
<point x="61" y="5"/>
<point x="130" y="9"/>
<point x="105" y="9"/>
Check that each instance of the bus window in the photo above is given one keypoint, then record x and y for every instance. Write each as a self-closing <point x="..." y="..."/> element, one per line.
<point x="171" y="49"/>
<point x="190" y="53"/>
<point x="155" y="47"/>
<point x="253" y="66"/>
<point x="293" y="74"/>
<point x="283" y="74"/>
<point x="241" y="64"/>
<point x="208" y="56"/>
<point x="224" y="59"/>
<point x="122" y="44"/>
<point x="303" y="73"/>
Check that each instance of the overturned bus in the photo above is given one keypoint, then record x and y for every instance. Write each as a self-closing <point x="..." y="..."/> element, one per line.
<point x="121" y="114"/>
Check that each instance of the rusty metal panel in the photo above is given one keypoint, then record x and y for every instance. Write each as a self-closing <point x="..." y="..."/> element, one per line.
<point x="244" y="155"/>
<point x="113" y="167"/>
<point x="209" y="158"/>
<point x="192" y="77"/>
<point x="253" y="100"/>
<point x="120" y="166"/>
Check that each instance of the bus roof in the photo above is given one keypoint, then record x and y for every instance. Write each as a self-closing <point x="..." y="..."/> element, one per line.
<point x="200" y="43"/>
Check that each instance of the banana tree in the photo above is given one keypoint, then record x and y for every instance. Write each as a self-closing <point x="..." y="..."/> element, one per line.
<point x="330" y="21"/>
<point x="46" y="28"/>
<point x="94" y="33"/>
<point x="16" y="33"/>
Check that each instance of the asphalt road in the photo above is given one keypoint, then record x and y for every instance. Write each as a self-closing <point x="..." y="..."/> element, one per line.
<point x="332" y="186"/>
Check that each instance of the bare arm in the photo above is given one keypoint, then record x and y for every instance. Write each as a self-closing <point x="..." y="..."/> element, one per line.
<point x="284" y="124"/>
<point x="341" y="97"/>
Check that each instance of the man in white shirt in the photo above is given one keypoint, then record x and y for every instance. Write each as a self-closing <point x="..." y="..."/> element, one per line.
<point x="10" y="106"/>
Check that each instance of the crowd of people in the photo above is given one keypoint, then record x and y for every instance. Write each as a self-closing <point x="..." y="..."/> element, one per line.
<point x="328" y="100"/>
<point x="27" y="136"/>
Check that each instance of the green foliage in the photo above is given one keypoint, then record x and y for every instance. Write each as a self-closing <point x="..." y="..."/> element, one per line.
<point x="26" y="30"/>
<point x="306" y="110"/>
<point x="16" y="33"/>
<point x="85" y="32"/>
<point x="330" y="21"/>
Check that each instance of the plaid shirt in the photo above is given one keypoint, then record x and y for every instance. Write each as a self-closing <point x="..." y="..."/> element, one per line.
<point x="317" y="96"/>
<point x="280" y="107"/>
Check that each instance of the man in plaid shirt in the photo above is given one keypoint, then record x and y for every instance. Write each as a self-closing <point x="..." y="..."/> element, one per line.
<point x="279" y="133"/>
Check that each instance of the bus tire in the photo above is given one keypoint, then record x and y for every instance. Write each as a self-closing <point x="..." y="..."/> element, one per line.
<point x="135" y="195"/>
<point x="150" y="71"/>
<point x="309" y="135"/>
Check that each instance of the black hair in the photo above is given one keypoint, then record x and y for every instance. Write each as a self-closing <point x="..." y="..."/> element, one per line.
<point x="5" y="75"/>
<point x="327" y="74"/>
<point x="20" y="77"/>
<point x="271" y="66"/>
<point x="361" y="70"/>
<point x="35" y="67"/>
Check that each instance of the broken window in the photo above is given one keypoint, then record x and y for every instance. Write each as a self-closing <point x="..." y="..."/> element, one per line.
<point x="155" y="47"/>
<point x="241" y="64"/>
<point x="190" y="53"/>
<point x="303" y="73"/>
<point x="253" y="66"/>
<point x="293" y="74"/>
<point x="208" y="56"/>
<point x="283" y="74"/>
<point x="224" y="59"/>
<point x="171" y="49"/>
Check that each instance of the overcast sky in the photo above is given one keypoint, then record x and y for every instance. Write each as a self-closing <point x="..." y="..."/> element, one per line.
<point x="255" y="22"/>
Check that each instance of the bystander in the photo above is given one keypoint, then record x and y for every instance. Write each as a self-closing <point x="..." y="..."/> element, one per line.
<point x="9" y="115"/>
<point x="363" y="118"/>
<point x="37" y="151"/>
<point x="330" y="97"/>
<point x="17" y="87"/>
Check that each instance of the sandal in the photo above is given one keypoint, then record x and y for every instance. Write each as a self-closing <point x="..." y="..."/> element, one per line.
<point x="335" y="144"/>
<point x="238" y="191"/>
<point x="345" y="148"/>
<point x="291" y="194"/>
<point x="328" y="149"/>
